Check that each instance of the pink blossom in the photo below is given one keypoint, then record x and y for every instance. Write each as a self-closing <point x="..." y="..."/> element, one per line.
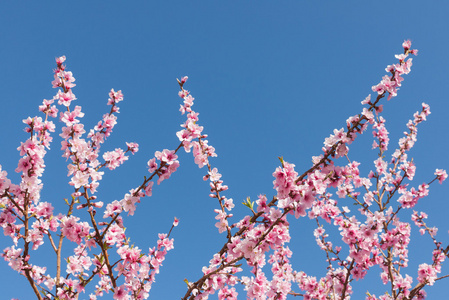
<point x="129" y="203"/>
<point x="121" y="293"/>
<point x="214" y="175"/>
<point x="152" y="165"/>
<point x="426" y="274"/>
<point x="79" y="179"/>
<point x="441" y="175"/>
<point x="133" y="147"/>
<point x="149" y="189"/>
<point x="407" y="44"/>
<point x="371" y="230"/>
<point x="65" y="98"/>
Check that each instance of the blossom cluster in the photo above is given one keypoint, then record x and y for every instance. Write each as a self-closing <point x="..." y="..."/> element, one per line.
<point x="373" y="234"/>
<point x="103" y="252"/>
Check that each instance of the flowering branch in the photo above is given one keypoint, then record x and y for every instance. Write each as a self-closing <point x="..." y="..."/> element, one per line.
<point x="103" y="253"/>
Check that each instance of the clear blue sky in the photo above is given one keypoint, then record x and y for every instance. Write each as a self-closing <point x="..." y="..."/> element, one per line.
<point x="270" y="79"/>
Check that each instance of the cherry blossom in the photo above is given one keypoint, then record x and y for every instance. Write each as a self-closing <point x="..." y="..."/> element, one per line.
<point x="371" y="233"/>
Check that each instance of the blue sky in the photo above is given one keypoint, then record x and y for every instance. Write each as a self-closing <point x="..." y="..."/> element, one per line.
<point x="269" y="78"/>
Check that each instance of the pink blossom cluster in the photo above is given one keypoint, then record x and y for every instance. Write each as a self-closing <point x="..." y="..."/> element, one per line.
<point x="201" y="150"/>
<point x="373" y="233"/>
<point x="392" y="84"/>
<point x="102" y="252"/>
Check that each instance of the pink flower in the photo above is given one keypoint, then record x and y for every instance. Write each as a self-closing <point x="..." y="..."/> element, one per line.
<point x="427" y="274"/>
<point x="115" y="97"/>
<point x="152" y="165"/>
<point x="129" y="203"/>
<point x="166" y="156"/>
<point x="65" y="98"/>
<point x="407" y="44"/>
<point x="112" y="208"/>
<point x="121" y="293"/>
<point x="149" y="189"/>
<point x="79" y="179"/>
<point x="214" y="175"/>
<point x="133" y="147"/>
<point x="222" y="225"/>
<point x="60" y="60"/>
<point x="441" y="175"/>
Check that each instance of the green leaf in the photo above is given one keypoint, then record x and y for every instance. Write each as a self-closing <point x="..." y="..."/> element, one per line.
<point x="248" y="203"/>
<point x="282" y="160"/>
